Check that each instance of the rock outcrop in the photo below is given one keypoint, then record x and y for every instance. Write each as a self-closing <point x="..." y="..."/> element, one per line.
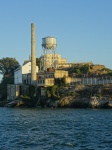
<point x="93" y="102"/>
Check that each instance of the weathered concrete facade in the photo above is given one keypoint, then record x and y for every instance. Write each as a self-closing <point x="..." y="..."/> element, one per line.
<point x="46" y="79"/>
<point x="14" y="91"/>
<point x="33" y="54"/>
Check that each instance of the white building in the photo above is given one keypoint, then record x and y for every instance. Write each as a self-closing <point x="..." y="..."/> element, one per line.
<point x="21" y="71"/>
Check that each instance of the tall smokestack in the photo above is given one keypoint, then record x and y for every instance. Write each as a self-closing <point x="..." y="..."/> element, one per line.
<point x="33" y="54"/>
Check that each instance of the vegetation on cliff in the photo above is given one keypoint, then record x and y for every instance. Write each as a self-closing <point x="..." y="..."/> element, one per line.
<point x="79" y="69"/>
<point x="53" y="92"/>
<point x="88" y="70"/>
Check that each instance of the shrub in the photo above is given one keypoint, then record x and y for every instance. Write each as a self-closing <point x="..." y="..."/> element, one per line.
<point x="31" y="91"/>
<point x="72" y="93"/>
<point x="25" y="98"/>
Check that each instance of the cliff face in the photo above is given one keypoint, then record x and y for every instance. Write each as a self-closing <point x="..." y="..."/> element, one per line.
<point x="85" y="97"/>
<point x="93" y="102"/>
<point x="100" y="103"/>
<point x="72" y="102"/>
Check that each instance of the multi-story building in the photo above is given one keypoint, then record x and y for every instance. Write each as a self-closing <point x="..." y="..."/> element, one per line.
<point x="46" y="79"/>
<point x="51" y="60"/>
<point x="22" y="72"/>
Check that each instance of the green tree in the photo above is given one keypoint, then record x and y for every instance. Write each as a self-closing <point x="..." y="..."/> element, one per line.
<point x="60" y="81"/>
<point x="8" y="65"/>
<point x="84" y="68"/>
<point x="110" y="73"/>
<point x="53" y="92"/>
<point x="78" y="71"/>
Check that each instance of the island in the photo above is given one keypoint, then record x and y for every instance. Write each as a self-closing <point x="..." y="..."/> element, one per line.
<point x="85" y="86"/>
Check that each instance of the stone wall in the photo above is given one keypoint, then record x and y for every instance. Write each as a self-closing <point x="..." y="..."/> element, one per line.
<point x="14" y="91"/>
<point x="11" y="91"/>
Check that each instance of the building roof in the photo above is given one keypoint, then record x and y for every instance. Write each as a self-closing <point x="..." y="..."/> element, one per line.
<point x="26" y="61"/>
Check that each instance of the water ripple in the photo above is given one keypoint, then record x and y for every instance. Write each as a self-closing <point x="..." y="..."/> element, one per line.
<point x="55" y="129"/>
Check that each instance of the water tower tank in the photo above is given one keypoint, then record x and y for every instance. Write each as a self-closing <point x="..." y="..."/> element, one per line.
<point x="49" y="42"/>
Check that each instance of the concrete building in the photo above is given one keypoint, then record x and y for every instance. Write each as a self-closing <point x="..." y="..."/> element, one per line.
<point x="22" y="72"/>
<point x="46" y="79"/>
<point x="52" y="60"/>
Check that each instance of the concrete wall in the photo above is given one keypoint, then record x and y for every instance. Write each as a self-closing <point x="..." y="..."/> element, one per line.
<point x="43" y="91"/>
<point x="71" y="80"/>
<point x="49" y="82"/>
<point x="60" y="73"/>
<point x="12" y="91"/>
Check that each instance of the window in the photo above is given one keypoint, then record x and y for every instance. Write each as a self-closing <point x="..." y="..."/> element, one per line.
<point x="24" y="81"/>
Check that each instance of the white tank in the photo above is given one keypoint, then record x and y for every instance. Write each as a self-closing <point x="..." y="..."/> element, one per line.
<point x="49" y="42"/>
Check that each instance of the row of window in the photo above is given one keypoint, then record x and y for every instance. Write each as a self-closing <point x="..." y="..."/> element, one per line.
<point x="50" y="76"/>
<point x="41" y="81"/>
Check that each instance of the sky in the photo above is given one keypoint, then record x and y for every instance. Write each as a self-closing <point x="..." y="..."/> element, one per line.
<point x="83" y="29"/>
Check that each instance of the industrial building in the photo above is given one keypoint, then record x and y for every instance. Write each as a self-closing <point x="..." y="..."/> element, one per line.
<point x="46" y="79"/>
<point x="52" y="60"/>
<point x="22" y="73"/>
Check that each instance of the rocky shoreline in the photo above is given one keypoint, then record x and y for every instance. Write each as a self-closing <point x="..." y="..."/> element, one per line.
<point x="79" y="96"/>
<point x="71" y="102"/>
<point x="65" y="102"/>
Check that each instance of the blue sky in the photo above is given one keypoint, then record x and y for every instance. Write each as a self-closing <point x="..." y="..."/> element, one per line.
<point x="83" y="28"/>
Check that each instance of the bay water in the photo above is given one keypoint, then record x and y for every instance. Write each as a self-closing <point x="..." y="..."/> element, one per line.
<point x="55" y="129"/>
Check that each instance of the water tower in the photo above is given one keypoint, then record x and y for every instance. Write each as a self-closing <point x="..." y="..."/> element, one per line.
<point x="49" y="53"/>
